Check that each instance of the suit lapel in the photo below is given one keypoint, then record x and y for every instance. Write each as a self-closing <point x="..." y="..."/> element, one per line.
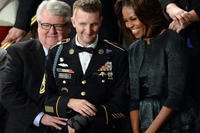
<point x="37" y="57"/>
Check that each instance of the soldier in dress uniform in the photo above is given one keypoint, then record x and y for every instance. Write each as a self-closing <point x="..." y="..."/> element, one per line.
<point x="86" y="77"/>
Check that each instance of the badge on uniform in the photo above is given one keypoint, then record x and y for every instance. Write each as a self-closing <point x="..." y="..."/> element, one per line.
<point x="102" y="74"/>
<point x="64" y="70"/>
<point x="108" y="51"/>
<point x="106" y="67"/>
<point x="100" y="51"/>
<point x="64" y="75"/>
<point x="61" y="59"/>
<point x="106" y="70"/>
<point x="63" y="64"/>
<point x="110" y="75"/>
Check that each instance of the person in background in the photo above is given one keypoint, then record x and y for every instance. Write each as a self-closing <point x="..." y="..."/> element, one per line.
<point x="184" y="18"/>
<point x="87" y="77"/>
<point x="160" y="101"/>
<point x="26" y="9"/>
<point x="8" y="13"/>
<point x="23" y="76"/>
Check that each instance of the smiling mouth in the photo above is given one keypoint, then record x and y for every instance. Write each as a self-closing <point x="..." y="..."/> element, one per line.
<point x="134" y="31"/>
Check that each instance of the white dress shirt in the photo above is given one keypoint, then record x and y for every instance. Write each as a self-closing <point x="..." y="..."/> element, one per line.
<point x="85" y="57"/>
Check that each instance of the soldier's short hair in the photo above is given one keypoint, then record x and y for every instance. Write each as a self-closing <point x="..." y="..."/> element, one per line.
<point x="88" y="5"/>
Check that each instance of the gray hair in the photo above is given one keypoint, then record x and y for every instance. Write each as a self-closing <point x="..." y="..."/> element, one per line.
<point x="88" y="5"/>
<point x="55" y="7"/>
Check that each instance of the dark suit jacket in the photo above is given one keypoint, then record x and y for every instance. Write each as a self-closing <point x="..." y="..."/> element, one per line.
<point x="166" y="72"/>
<point x="26" y="10"/>
<point x="21" y="80"/>
<point x="192" y="31"/>
<point x="3" y="61"/>
<point x="103" y="84"/>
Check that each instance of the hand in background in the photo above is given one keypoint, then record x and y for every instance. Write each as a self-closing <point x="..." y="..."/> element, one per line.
<point x="177" y="13"/>
<point x="181" y="18"/>
<point x="176" y="26"/>
<point x="14" y="35"/>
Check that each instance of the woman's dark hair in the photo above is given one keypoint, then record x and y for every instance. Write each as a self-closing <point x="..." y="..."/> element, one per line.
<point x="119" y="4"/>
<point x="150" y="13"/>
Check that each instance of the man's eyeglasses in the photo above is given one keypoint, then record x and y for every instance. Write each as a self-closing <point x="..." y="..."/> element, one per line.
<point x="47" y="26"/>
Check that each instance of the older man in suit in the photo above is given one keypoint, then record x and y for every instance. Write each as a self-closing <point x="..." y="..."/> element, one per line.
<point x="21" y="78"/>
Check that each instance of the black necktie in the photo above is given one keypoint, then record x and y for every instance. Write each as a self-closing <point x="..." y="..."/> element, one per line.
<point x="84" y="49"/>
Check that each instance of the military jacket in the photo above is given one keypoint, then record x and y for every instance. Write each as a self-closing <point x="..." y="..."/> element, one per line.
<point x="103" y="84"/>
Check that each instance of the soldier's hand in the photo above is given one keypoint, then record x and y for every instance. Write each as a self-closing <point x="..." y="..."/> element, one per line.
<point x="53" y="121"/>
<point x="82" y="106"/>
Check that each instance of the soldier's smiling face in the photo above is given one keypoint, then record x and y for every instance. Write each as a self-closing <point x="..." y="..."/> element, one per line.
<point x="87" y="25"/>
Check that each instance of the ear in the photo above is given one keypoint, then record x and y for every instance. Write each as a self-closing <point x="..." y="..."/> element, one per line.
<point x="68" y="28"/>
<point x="73" y="21"/>
<point x="101" y="19"/>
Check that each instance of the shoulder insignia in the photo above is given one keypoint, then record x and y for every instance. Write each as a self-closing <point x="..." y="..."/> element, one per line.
<point x="42" y="87"/>
<point x="64" y="41"/>
<point x="113" y="44"/>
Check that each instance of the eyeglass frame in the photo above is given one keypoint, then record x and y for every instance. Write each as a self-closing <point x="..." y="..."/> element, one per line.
<point x="59" y="27"/>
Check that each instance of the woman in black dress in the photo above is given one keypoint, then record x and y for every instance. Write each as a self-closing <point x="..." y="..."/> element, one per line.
<point x="160" y="102"/>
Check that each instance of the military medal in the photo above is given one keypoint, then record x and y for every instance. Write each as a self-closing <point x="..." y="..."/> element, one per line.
<point x="63" y="65"/>
<point x="110" y="75"/>
<point x="102" y="74"/>
<point x="108" y="66"/>
<point x="61" y="59"/>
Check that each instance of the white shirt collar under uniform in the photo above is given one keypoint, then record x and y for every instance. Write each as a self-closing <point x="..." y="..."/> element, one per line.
<point x="93" y="45"/>
<point x="85" y="57"/>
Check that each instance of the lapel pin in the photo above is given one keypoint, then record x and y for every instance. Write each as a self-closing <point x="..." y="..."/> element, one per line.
<point x="100" y="51"/>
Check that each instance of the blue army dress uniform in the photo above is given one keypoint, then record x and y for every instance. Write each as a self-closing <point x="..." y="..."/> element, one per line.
<point x="104" y="84"/>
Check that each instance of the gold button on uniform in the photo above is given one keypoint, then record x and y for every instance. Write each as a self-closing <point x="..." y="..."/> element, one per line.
<point x="83" y="93"/>
<point x="64" y="82"/>
<point x="83" y="82"/>
<point x="103" y="81"/>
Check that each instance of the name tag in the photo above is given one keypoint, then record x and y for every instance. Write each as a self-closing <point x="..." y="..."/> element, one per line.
<point x="64" y="75"/>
